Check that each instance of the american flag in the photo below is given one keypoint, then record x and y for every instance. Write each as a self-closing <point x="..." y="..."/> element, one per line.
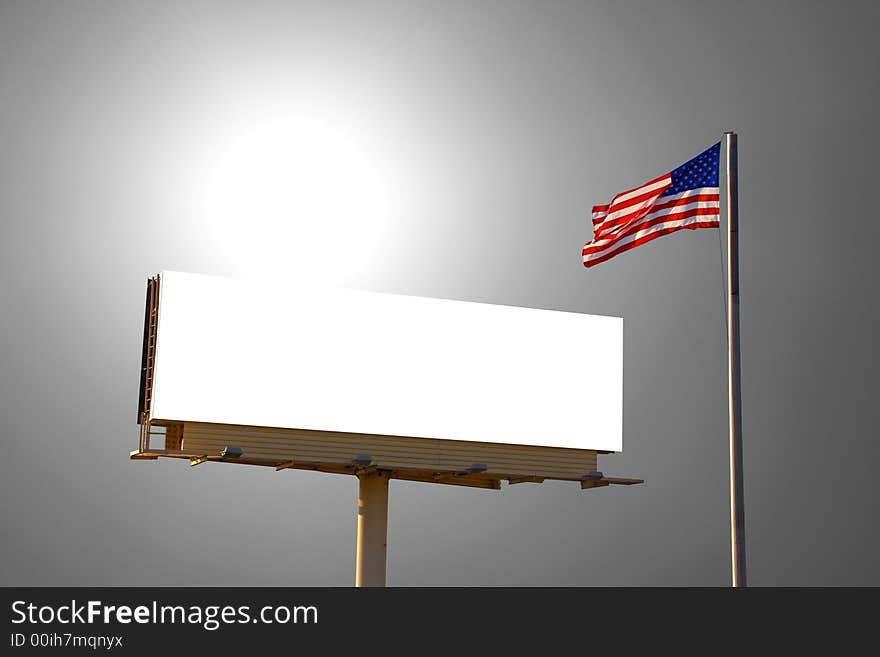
<point x="687" y="197"/>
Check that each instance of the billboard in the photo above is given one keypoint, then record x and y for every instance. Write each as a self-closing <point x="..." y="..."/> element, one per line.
<point x="258" y="353"/>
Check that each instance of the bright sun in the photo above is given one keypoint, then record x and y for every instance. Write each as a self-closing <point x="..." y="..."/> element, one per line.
<point x="295" y="197"/>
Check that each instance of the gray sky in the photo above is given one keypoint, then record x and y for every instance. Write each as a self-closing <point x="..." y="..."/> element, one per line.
<point x="496" y="125"/>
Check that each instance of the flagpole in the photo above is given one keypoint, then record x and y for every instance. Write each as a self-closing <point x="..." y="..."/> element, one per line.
<point x="737" y="511"/>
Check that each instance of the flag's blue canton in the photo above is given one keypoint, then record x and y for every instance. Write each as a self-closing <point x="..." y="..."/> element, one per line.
<point x="702" y="171"/>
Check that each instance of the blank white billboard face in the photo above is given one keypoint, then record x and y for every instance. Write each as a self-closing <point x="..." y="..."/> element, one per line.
<point x="248" y="352"/>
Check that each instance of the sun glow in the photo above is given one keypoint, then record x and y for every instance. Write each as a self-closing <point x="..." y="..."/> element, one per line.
<point x="295" y="197"/>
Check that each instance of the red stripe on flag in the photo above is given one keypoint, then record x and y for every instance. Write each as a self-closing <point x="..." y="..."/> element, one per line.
<point x="642" y="225"/>
<point x="648" y="238"/>
<point x="617" y="204"/>
<point x="660" y="205"/>
<point x="636" y="200"/>
<point x="647" y="184"/>
<point x="685" y="200"/>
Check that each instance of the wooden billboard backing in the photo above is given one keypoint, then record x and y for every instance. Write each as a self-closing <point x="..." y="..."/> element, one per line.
<point x="452" y="462"/>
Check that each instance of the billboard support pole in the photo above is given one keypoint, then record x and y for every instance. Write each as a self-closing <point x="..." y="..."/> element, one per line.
<point x="372" y="528"/>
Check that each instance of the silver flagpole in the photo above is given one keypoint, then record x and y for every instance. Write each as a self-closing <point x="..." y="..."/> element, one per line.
<point x="737" y="512"/>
